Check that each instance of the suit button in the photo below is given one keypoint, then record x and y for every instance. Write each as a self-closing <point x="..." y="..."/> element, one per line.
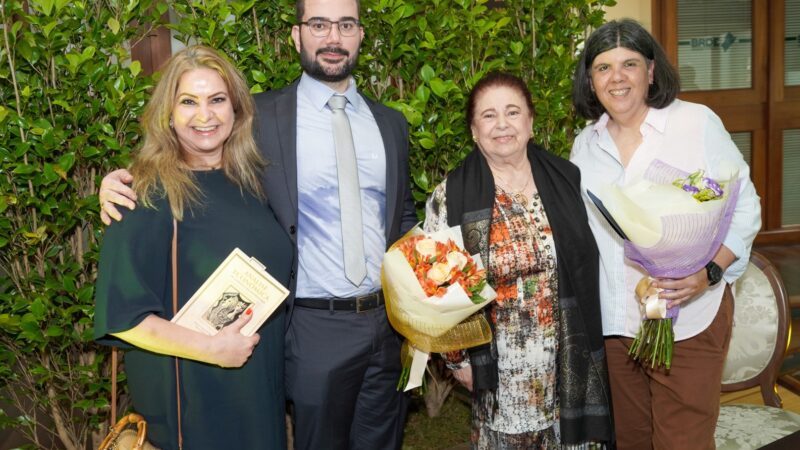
<point x="291" y="275"/>
<point x="292" y="229"/>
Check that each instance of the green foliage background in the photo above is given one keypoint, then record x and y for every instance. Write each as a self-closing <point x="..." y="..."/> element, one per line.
<point x="70" y="100"/>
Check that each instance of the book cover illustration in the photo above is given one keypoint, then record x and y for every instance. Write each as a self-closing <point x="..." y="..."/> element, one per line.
<point x="240" y="282"/>
<point x="226" y="309"/>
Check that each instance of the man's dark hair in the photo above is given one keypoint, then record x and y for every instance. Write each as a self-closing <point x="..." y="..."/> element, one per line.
<point x="629" y="34"/>
<point x="497" y="79"/>
<point x="300" y="9"/>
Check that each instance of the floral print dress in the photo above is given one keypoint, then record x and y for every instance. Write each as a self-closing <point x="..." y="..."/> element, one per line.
<point x="523" y="412"/>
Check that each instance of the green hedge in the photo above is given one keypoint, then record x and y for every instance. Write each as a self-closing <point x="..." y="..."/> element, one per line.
<point x="421" y="57"/>
<point x="70" y="104"/>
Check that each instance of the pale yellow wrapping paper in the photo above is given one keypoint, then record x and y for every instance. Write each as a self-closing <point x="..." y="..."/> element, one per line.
<point x="639" y="206"/>
<point x="432" y="324"/>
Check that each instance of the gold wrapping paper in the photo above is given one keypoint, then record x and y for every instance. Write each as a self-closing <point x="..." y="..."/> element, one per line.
<point x="432" y="324"/>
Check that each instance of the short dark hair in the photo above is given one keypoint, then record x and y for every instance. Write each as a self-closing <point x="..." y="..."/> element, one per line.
<point x="497" y="79"/>
<point x="300" y="9"/>
<point x="629" y="34"/>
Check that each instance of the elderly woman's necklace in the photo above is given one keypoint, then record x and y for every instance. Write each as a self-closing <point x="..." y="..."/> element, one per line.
<point x="518" y="195"/>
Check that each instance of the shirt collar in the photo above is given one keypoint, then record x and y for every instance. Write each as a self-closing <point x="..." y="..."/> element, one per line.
<point x="601" y="123"/>
<point x="318" y="93"/>
<point x="656" y="119"/>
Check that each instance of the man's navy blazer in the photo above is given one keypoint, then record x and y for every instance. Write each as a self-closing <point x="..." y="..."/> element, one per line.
<point x="276" y="136"/>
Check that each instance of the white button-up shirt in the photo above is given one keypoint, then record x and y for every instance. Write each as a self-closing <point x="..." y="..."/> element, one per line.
<point x="687" y="136"/>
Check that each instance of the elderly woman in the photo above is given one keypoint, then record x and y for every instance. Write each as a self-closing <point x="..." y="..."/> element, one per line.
<point x="198" y="166"/>
<point x="541" y="382"/>
<point x="624" y="82"/>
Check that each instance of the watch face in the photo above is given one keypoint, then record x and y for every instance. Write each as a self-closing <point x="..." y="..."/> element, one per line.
<point x="714" y="273"/>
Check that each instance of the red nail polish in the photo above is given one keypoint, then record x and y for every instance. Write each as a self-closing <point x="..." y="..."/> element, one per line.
<point x="249" y="311"/>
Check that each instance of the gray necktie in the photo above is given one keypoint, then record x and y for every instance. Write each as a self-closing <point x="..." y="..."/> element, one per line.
<point x="355" y="268"/>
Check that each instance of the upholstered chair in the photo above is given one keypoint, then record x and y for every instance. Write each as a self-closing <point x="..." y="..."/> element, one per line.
<point x="758" y="343"/>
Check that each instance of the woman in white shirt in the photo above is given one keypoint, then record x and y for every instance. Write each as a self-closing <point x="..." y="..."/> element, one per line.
<point x="625" y="84"/>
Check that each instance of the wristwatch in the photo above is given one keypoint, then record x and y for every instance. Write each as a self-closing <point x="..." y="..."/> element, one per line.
<point x="714" y="272"/>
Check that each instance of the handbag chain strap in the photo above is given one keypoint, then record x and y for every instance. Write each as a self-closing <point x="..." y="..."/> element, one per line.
<point x="113" y="386"/>
<point x="114" y="351"/>
<point x="174" y="312"/>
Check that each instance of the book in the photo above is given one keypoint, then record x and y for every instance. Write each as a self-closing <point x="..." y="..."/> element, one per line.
<point x="600" y="206"/>
<point x="240" y="282"/>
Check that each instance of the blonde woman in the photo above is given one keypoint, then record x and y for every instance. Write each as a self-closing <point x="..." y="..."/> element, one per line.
<point x="200" y="165"/>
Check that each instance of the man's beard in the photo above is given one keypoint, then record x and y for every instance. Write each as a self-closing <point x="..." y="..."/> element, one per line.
<point x="312" y="67"/>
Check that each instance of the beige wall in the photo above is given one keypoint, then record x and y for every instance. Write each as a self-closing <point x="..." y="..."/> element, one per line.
<point x="634" y="9"/>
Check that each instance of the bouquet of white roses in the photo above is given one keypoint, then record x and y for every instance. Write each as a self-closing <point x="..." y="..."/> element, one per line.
<point x="673" y="224"/>
<point x="432" y="287"/>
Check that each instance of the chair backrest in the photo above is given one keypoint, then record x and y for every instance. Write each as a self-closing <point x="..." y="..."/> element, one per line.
<point x="760" y="331"/>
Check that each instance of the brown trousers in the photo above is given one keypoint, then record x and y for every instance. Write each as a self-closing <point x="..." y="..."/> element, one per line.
<point x="657" y="410"/>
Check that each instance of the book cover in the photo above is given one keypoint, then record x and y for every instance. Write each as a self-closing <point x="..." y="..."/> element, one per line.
<point x="600" y="206"/>
<point x="240" y="282"/>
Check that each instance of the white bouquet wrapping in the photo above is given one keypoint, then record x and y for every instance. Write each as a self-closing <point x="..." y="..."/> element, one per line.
<point x="433" y="289"/>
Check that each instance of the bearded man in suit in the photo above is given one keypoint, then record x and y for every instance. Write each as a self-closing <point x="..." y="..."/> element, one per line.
<point x="342" y="356"/>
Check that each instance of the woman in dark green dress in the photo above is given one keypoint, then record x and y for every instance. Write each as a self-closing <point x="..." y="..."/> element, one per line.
<point x="199" y="165"/>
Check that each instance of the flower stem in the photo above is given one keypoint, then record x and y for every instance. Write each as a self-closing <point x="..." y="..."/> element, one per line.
<point x="654" y="343"/>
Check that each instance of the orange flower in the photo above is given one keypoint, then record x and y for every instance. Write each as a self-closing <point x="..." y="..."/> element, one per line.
<point x="442" y="265"/>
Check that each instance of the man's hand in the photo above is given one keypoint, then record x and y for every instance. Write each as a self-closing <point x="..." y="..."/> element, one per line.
<point x="464" y="376"/>
<point x="114" y="190"/>
<point x="230" y="347"/>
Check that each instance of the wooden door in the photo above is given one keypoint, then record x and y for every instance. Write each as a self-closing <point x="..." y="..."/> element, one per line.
<point x="741" y="58"/>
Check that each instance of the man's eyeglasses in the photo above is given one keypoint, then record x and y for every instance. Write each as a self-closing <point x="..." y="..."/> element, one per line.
<point x="322" y="27"/>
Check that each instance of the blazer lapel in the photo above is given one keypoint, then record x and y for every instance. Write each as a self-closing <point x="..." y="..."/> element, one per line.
<point x="390" y="139"/>
<point x="286" y="116"/>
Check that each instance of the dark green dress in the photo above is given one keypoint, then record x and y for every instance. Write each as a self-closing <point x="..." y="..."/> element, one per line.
<point x="221" y="408"/>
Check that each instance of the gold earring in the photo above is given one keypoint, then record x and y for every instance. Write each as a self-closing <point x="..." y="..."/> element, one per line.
<point x="171" y="125"/>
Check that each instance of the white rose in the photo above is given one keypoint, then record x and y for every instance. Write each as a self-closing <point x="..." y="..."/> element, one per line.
<point x="426" y="248"/>
<point x="457" y="260"/>
<point x="439" y="273"/>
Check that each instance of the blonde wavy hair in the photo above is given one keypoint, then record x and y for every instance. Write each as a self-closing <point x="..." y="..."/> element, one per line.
<point x="160" y="167"/>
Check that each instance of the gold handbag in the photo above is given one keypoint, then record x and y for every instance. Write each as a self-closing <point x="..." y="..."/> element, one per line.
<point x="130" y="432"/>
<point x="124" y="437"/>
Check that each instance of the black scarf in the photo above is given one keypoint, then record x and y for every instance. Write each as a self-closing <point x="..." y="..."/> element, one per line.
<point x="584" y="398"/>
